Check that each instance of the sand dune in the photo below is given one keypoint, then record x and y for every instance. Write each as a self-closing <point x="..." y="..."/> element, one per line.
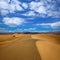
<point x="30" y="47"/>
<point x="53" y="38"/>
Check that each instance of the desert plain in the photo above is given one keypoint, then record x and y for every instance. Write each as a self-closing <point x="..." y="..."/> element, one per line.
<point x="30" y="46"/>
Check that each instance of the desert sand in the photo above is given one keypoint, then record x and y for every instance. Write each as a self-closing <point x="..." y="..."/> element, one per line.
<point x="29" y="46"/>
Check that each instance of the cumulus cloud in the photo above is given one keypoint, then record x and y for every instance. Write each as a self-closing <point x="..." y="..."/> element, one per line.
<point x="10" y="5"/>
<point x="4" y="12"/>
<point x="44" y="8"/>
<point x="13" y="22"/>
<point x="56" y="24"/>
<point x="52" y="25"/>
<point x="38" y="7"/>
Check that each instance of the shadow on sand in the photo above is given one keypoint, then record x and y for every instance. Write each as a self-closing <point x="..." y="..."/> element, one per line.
<point x="20" y="50"/>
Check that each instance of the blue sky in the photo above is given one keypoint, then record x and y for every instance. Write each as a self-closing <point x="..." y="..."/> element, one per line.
<point x="29" y="15"/>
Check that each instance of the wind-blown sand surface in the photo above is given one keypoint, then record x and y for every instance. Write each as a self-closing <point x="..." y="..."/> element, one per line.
<point x="30" y="47"/>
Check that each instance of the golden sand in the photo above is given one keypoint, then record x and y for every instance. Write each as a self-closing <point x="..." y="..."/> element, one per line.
<point x="30" y="47"/>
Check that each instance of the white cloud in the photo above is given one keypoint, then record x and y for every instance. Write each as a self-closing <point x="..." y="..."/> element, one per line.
<point x="13" y="22"/>
<point x="5" y="0"/>
<point x="30" y="29"/>
<point x="25" y="5"/>
<point x="45" y="9"/>
<point x="56" y="24"/>
<point x="4" y="12"/>
<point x="39" y="8"/>
<point x="52" y="25"/>
<point x="11" y="7"/>
<point x="3" y="5"/>
<point x="36" y="5"/>
<point x="14" y="7"/>
<point x="19" y="8"/>
<point x="30" y="13"/>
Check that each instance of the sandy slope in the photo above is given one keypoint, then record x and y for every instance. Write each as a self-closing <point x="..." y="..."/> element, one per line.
<point x="20" y="50"/>
<point x="30" y="47"/>
<point x="48" y="51"/>
<point x="53" y="38"/>
<point x="48" y="46"/>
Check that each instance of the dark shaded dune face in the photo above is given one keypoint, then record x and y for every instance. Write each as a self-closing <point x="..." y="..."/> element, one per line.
<point x="53" y="38"/>
<point x="20" y="50"/>
<point x="57" y="38"/>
